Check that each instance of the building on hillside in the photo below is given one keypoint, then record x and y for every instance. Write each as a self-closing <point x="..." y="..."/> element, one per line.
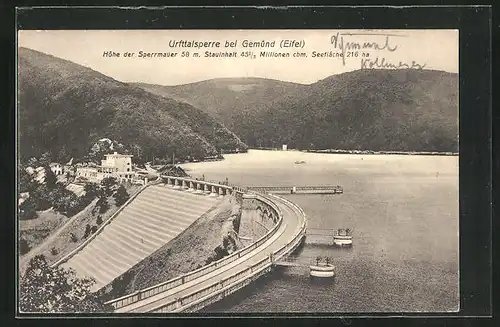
<point x="22" y="197"/>
<point x="37" y="174"/>
<point x="78" y="189"/>
<point x="89" y="173"/>
<point x="68" y="168"/>
<point x="115" y="165"/>
<point x="121" y="162"/>
<point x="56" y="168"/>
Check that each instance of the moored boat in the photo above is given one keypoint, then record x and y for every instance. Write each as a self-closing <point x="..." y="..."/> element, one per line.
<point x="322" y="269"/>
<point x="342" y="237"/>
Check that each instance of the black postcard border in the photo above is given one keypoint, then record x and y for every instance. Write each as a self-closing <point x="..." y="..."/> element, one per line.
<point x="474" y="24"/>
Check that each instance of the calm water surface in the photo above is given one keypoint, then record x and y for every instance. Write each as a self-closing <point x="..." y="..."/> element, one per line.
<point x="404" y="213"/>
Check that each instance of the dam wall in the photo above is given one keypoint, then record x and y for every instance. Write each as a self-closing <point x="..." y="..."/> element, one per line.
<point x="257" y="218"/>
<point x="132" y="299"/>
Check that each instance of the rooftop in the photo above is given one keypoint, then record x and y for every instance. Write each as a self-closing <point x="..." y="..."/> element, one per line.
<point x="116" y="154"/>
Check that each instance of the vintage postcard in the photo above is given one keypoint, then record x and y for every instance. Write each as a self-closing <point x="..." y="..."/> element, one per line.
<point x="238" y="171"/>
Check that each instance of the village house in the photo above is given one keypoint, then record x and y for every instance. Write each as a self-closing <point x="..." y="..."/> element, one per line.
<point x="22" y="197"/>
<point x="68" y="168"/>
<point x="78" y="189"/>
<point x="56" y="168"/>
<point x="38" y="174"/>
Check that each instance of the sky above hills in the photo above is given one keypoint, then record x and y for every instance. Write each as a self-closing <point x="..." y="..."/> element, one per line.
<point x="430" y="49"/>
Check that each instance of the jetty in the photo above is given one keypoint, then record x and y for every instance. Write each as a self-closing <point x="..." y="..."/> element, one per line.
<point x="322" y="189"/>
<point x="338" y="237"/>
<point x="317" y="267"/>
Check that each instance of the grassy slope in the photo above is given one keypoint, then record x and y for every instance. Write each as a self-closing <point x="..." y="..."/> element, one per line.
<point x="188" y="251"/>
<point x="35" y="231"/>
<point x="406" y="110"/>
<point x="63" y="105"/>
<point x="62" y="242"/>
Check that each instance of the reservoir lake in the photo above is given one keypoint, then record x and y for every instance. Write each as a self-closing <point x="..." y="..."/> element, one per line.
<point x="404" y="213"/>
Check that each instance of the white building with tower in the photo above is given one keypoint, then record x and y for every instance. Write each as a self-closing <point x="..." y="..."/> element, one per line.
<point x="115" y="165"/>
<point x="121" y="164"/>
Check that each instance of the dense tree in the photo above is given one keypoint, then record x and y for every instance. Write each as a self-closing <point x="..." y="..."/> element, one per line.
<point x="87" y="231"/>
<point x="63" y="105"/>
<point x="42" y="197"/>
<point x="103" y="205"/>
<point x="121" y="195"/>
<point x="25" y="182"/>
<point x="108" y="185"/>
<point x="64" y="200"/>
<point x="50" y="290"/>
<point x="49" y="193"/>
<point x="76" y="205"/>
<point x="54" y="251"/>
<point x="45" y="159"/>
<point x="24" y="247"/>
<point x="50" y="178"/>
<point x="92" y="190"/>
<point x="63" y="155"/>
<point x="369" y="109"/>
<point x="32" y="162"/>
<point x="27" y="209"/>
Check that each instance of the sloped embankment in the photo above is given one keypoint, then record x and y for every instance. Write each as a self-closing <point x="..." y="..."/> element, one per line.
<point x="210" y="238"/>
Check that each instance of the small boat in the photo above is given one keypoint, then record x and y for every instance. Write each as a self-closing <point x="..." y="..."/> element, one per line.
<point x="300" y="162"/>
<point x="342" y="237"/>
<point x="322" y="269"/>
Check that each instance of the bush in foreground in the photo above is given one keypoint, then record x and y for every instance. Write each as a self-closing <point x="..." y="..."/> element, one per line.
<point x="121" y="196"/>
<point x="87" y="231"/>
<point x="24" y="247"/>
<point x="103" y="205"/>
<point x="27" y="210"/>
<point x="108" y="184"/>
<point x="47" y="289"/>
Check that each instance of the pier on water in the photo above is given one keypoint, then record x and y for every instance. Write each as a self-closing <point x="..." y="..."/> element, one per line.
<point x="293" y="262"/>
<point x="322" y="189"/>
<point x="301" y="262"/>
<point x="319" y="236"/>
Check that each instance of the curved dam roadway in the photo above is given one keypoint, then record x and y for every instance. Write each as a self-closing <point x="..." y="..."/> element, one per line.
<point x="290" y="227"/>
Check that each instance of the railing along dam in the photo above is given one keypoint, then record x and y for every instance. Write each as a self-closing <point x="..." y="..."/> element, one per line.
<point x="206" y="285"/>
<point x="321" y="189"/>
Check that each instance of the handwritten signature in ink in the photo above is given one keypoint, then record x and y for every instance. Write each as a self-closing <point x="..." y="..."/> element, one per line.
<point x="338" y="42"/>
<point x="383" y="63"/>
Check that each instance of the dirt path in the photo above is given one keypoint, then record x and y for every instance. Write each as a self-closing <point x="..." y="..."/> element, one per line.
<point x="24" y="260"/>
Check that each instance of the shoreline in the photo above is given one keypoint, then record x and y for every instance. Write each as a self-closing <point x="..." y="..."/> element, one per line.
<point x="368" y="152"/>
